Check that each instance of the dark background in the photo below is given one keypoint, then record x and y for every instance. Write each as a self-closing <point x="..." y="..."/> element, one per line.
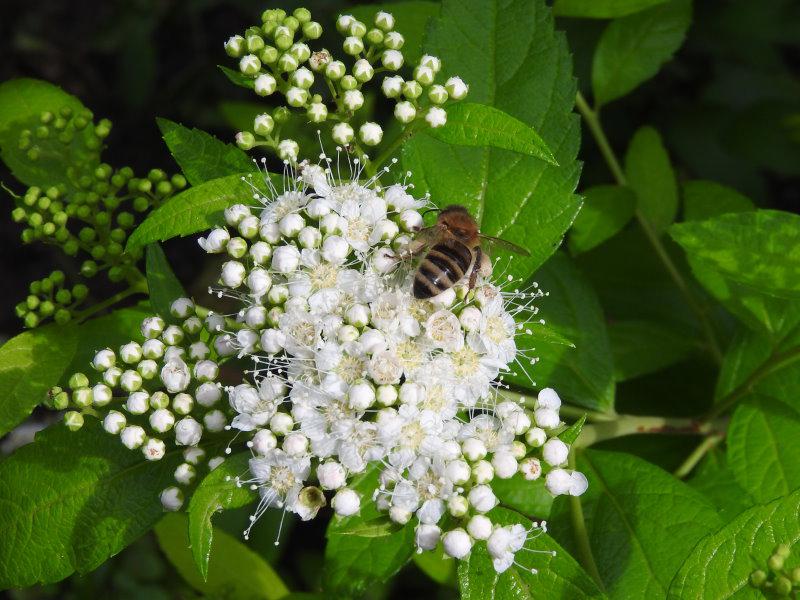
<point x="728" y="107"/>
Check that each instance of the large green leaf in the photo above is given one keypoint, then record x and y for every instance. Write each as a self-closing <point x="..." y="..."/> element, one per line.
<point x="218" y="491"/>
<point x="559" y="575"/>
<point x="759" y="249"/>
<point x="705" y="199"/>
<point x="365" y="549"/>
<point x="162" y="284"/>
<point x="640" y="347"/>
<point x="411" y="20"/>
<point x="763" y="452"/>
<point x="30" y="364"/>
<point x="72" y="500"/>
<point x="633" y="48"/>
<point x="606" y="210"/>
<point x="720" y="565"/>
<point x="530" y="498"/>
<point x="512" y="59"/>
<point x="235" y="572"/>
<point x="650" y="176"/>
<point x="470" y="124"/>
<point x="583" y="374"/>
<point x="715" y="479"/>
<point x="601" y="9"/>
<point x="21" y="99"/>
<point x="200" y="155"/>
<point x="641" y="522"/>
<point x="196" y="209"/>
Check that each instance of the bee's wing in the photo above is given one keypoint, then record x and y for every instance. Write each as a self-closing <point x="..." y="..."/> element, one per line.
<point x="504" y="244"/>
<point x="423" y="239"/>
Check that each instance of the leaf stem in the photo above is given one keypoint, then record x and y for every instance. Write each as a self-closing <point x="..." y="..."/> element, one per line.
<point x="708" y="444"/>
<point x="634" y="424"/>
<point x="585" y="554"/>
<point x="773" y="364"/>
<point x="592" y="119"/>
<point x="137" y="288"/>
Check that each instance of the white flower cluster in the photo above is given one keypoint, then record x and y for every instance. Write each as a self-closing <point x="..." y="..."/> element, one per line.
<point x="165" y="386"/>
<point x="352" y="372"/>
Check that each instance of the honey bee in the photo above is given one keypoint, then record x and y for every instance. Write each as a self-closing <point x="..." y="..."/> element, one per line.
<point x="453" y="249"/>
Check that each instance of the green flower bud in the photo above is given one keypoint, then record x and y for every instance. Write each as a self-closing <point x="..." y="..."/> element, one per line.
<point x="269" y="28"/>
<point x="796" y="575"/>
<point x="283" y="40"/>
<point x="32" y="302"/>
<point x="392" y="59"/>
<point x="33" y="154"/>
<point x="60" y="400"/>
<point x="342" y="133"/>
<point x="349" y="82"/>
<point x="275" y="14"/>
<point x="178" y="181"/>
<point x="288" y="150"/>
<point x="73" y="420"/>
<point x="89" y="268"/>
<point x="263" y="124"/>
<point x="63" y="296"/>
<point x="287" y="63"/>
<point x="48" y="229"/>
<point x="281" y="114"/>
<point x="126" y="219"/>
<point x="42" y="132"/>
<point x="53" y="193"/>
<point x="353" y="46"/>
<point x="18" y="214"/>
<point x="783" y="550"/>
<point x="21" y="310"/>
<point x="775" y="562"/>
<point x="374" y="36"/>
<point x="371" y="134"/>
<point x="144" y="185"/>
<point x="268" y="55"/>
<point x="141" y="204"/>
<point x="393" y="40"/>
<point x="103" y="129"/>
<point x="265" y="84"/>
<point x="47" y="308"/>
<point x="357" y="29"/>
<point x="437" y="94"/>
<point x="234" y="47"/>
<point x="312" y="30"/>
<point x="254" y="43"/>
<point x="296" y="97"/>
<point x="116" y="274"/>
<point x="31" y="320"/>
<point x="46" y="117"/>
<point x="292" y="23"/>
<point x="424" y="75"/>
<point x="303" y="15"/>
<point x="412" y="90"/>
<point x="384" y="20"/>
<point x="78" y="380"/>
<point x="80" y="291"/>
<point x="249" y="64"/>
<point x="782" y="586"/>
<point x="35" y="220"/>
<point x="317" y="112"/>
<point x="245" y="140"/>
<point x="164" y="188"/>
<point x="362" y="70"/>
<point x="43" y="203"/>
<point x="114" y="249"/>
<point x="302" y="78"/>
<point x="156" y="175"/>
<point x="62" y="316"/>
<point x="118" y="234"/>
<point x="335" y="70"/>
<point x="273" y="316"/>
<point x="301" y="52"/>
<point x="343" y="23"/>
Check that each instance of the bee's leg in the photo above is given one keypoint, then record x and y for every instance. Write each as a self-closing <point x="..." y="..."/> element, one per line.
<point x="412" y="250"/>
<point x="476" y="266"/>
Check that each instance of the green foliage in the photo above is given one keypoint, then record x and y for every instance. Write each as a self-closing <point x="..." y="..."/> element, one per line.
<point x="606" y="209"/>
<point x="235" y="572"/>
<point x="640" y="347"/>
<point x="197" y="209"/>
<point x="650" y="176"/>
<point x="470" y="124"/>
<point x="72" y="500"/>
<point x="162" y="284"/>
<point x="706" y="199"/>
<point x="633" y="48"/>
<point x="30" y="364"/>
<point x="715" y="480"/>
<point x="559" y="576"/>
<point x="412" y="18"/>
<point x="519" y="198"/>
<point x="601" y="9"/>
<point x="720" y="565"/>
<point x="200" y="155"/>
<point x="218" y="491"/>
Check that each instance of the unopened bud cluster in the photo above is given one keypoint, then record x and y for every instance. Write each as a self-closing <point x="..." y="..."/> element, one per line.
<point x="277" y="59"/>
<point x="352" y="372"/>
<point x="51" y="298"/>
<point x="158" y="392"/>
<point x="778" y="579"/>
<point x="92" y="210"/>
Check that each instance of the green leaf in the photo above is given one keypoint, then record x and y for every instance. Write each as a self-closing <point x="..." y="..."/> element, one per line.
<point x="759" y="249"/>
<point x="633" y="48"/>
<point x="470" y="124"/>
<point x="238" y="78"/>
<point x="72" y="500"/>
<point x="559" y="575"/>
<point x="196" y="209"/>
<point x="162" y="284"/>
<point x="437" y="566"/>
<point x="762" y="446"/>
<point x="530" y="498"/>
<point x="650" y="176"/>
<point x="491" y="45"/>
<point x="641" y="522"/>
<point x="705" y="199"/>
<point x="30" y="364"/>
<point x="601" y="9"/>
<point x="606" y="210"/>
<point x="641" y="347"/>
<point x="218" y="491"/>
<point x="411" y="20"/>
<point x="200" y="155"/>
<point x="569" y="435"/>
<point x="365" y="549"/>
<point x="235" y="570"/>
<point x="715" y="480"/>
<point x="23" y="98"/>
<point x="720" y="565"/>
<point x="582" y="374"/>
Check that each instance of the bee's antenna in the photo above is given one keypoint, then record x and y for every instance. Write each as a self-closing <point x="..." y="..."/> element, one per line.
<point x="425" y="212"/>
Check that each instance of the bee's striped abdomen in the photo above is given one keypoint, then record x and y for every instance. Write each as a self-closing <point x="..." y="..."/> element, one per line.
<point x="442" y="267"/>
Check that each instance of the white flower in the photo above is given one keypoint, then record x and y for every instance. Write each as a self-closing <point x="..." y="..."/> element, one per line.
<point x="504" y="543"/>
<point x="346" y="502"/>
<point x="482" y="499"/>
<point x="546" y="418"/>
<point x="479" y="527"/>
<point x="188" y="432"/>
<point x="385" y="368"/>
<point x="436" y="117"/>
<point x="444" y="331"/>
<point x="392" y="59"/>
<point x="285" y="259"/>
<point x="456" y="88"/>
<point x="427" y="536"/>
<point x="555" y="452"/>
<point x="175" y="376"/>
<point x="548" y="398"/>
<point x="457" y="543"/>
<point x="172" y="499"/>
<point x="342" y="133"/>
<point x="233" y="274"/>
<point x="331" y="475"/>
<point x="370" y="133"/>
<point x="216" y="241"/>
<point x="132" y="436"/>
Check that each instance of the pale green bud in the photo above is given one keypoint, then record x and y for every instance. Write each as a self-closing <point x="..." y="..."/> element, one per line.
<point x="263" y="124"/>
<point x="237" y="247"/>
<point x="317" y="112"/>
<point x="234" y="46"/>
<point x="287" y="63"/>
<point x="374" y="36"/>
<point x="245" y="140"/>
<point x="288" y="150"/>
<point x="431" y="61"/>
<point x="335" y="70"/>
<point x="349" y="82"/>
<point x="371" y="134"/>
<point x="362" y="70"/>
<point x="437" y="94"/>
<point x="301" y="52"/>
<point x="405" y="112"/>
<point x="303" y="15"/>
<point x="268" y="55"/>
<point x="249" y="64"/>
<point x="73" y="420"/>
<point x="254" y="43"/>
<point x="392" y="59"/>
<point x="342" y="133"/>
<point x="312" y="30"/>
<point x="302" y="78"/>
<point x="357" y="29"/>
<point x="424" y="74"/>
<point x="384" y="20"/>
<point x="343" y="23"/>
<point x="393" y="40"/>
<point x="412" y="90"/>
<point x="296" y="97"/>
<point x="392" y="87"/>
<point x="353" y="45"/>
